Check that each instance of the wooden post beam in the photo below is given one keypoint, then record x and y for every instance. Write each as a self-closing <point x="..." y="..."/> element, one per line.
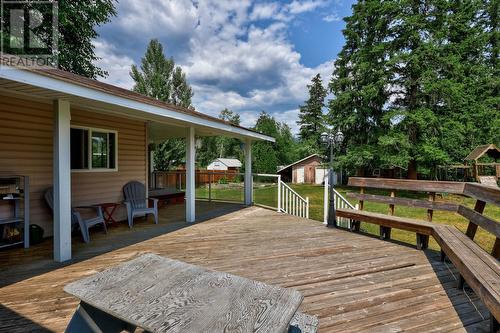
<point x="472" y="227"/>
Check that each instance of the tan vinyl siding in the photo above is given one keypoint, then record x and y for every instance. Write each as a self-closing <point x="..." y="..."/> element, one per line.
<point x="26" y="149"/>
<point x="26" y="131"/>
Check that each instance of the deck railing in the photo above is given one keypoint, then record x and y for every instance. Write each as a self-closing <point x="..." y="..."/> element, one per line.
<point x="291" y="202"/>
<point x="269" y="190"/>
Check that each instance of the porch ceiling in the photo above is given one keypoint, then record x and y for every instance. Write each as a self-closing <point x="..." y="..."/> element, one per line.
<point x="167" y="121"/>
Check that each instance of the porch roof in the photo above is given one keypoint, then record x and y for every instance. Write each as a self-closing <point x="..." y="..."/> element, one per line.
<point x="167" y="120"/>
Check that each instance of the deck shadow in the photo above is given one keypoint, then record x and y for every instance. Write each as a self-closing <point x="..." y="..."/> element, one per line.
<point x="19" y="264"/>
<point x="16" y="321"/>
<point x="469" y="308"/>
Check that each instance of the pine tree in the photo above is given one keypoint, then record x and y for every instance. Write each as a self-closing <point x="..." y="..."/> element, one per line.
<point x="416" y="85"/>
<point x="360" y="83"/>
<point x="311" y="118"/>
<point x="159" y="78"/>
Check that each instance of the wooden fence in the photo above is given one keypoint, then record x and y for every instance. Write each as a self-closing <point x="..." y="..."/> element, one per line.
<point x="177" y="179"/>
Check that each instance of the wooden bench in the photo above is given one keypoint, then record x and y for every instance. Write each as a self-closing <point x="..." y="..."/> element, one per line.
<point x="480" y="270"/>
<point x="422" y="229"/>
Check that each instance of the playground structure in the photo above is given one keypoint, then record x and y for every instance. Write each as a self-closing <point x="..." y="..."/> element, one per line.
<point x="481" y="165"/>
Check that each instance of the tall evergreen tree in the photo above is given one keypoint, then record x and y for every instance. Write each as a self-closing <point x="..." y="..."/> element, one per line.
<point x="360" y="82"/>
<point x="416" y="81"/>
<point x="159" y="78"/>
<point x="311" y="120"/>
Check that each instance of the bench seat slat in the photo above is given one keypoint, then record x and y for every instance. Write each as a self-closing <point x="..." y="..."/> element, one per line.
<point x="482" y="275"/>
<point x="403" y="223"/>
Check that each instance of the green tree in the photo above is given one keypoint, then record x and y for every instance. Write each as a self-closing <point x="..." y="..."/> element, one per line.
<point x="158" y="77"/>
<point x="360" y="83"/>
<point x="416" y="84"/>
<point x="311" y="119"/>
<point x="268" y="156"/>
<point x="77" y="22"/>
<point x="221" y="146"/>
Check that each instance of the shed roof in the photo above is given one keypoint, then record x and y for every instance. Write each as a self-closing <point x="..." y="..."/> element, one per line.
<point x="490" y="150"/>
<point x="300" y="161"/>
<point x="230" y="162"/>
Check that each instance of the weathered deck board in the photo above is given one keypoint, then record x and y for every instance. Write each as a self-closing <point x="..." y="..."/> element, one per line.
<point x="352" y="282"/>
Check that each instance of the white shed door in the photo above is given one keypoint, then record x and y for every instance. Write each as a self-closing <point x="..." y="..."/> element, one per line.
<point x="300" y="175"/>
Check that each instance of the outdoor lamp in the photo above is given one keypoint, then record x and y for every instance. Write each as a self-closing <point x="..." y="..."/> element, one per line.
<point x="332" y="139"/>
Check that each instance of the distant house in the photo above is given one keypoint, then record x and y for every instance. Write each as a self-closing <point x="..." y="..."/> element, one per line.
<point x="305" y="171"/>
<point x="225" y="164"/>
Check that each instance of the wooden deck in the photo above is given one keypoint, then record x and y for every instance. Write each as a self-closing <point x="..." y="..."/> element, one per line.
<point x="353" y="282"/>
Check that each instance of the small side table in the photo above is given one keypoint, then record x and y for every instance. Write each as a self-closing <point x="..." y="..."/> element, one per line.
<point x="108" y="209"/>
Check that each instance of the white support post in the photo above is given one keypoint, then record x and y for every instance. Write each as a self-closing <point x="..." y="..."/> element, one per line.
<point x="248" y="173"/>
<point x="190" y="176"/>
<point x="62" y="181"/>
<point x="279" y="194"/>
<point x="325" y="200"/>
<point x="307" y="207"/>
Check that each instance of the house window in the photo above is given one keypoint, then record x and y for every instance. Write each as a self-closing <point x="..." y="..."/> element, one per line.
<point x="93" y="149"/>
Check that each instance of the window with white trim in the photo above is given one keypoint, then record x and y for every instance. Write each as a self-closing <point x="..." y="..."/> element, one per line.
<point x="93" y="149"/>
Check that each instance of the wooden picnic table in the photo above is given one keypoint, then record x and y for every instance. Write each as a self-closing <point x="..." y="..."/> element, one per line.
<point x="159" y="294"/>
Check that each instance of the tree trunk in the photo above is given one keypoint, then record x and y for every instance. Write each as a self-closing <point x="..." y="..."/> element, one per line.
<point x="412" y="169"/>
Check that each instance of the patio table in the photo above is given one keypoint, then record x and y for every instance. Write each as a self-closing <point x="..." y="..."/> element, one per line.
<point x="109" y="209"/>
<point x="159" y="294"/>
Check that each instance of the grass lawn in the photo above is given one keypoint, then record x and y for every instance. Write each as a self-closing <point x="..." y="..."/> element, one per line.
<point x="267" y="194"/>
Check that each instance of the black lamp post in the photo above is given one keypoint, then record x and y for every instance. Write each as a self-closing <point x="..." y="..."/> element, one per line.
<point x="331" y="140"/>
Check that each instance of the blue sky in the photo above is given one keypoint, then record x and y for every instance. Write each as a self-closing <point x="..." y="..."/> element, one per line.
<point x="246" y="55"/>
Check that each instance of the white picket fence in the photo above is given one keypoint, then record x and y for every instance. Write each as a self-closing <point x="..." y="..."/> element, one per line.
<point x="339" y="202"/>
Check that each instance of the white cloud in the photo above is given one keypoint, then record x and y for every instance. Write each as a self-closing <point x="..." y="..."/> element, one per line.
<point x="332" y="18"/>
<point x="264" y="11"/>
<point x="230" y="60"/>
<point x="299" y="7"/>
<point x="118" y="66"/>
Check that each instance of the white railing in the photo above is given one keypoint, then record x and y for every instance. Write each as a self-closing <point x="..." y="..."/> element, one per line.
<point x="292" y="203"/>
<point x="288" y="200"/>
<point x="339" y="202"/>
<point x="210" y="187"/>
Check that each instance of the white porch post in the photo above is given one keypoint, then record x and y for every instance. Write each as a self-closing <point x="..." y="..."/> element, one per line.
<point x="248" y="173"/>
<point x="190" y="176"/>
<point x="62" y="181"/>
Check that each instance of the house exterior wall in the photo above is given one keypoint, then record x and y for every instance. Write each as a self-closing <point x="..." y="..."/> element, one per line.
<point x="26" y="139"/>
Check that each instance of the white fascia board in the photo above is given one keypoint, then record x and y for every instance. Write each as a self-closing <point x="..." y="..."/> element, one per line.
<point x="42" y="81"/>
